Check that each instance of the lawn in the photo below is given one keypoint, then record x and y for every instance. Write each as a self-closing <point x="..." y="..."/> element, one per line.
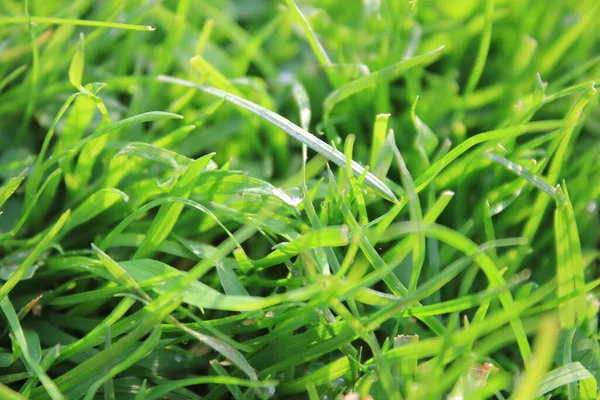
<point x="303" y="199"/>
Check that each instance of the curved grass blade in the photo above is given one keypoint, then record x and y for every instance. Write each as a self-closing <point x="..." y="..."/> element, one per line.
<point x="203" y="296"/>
<point x="293" y="130"/>
<point x="118" y="169"/>
<point x="169" y="213"/>
<point x="33" y="256"/>
<point x="331" y="236"/>
<point x="514" y="131"/>
<point x="561" y="376"/>
<point x="314" y="42"/>
<point x="9" y="394"/>
<point x="218" y="185"/>
<point x="519" y="170"/>
<point x="140" y="352"/>
<point x="486" y="264"/>
<point x="10" y="187"/>
<point x="17" y="331"/>
<point x="137" y="119"/>
<point x="12" y="76"/>
<point x="95" y="204"/>
<point x="386" y="74"/>
<point x="49" y="183"/>
<point x="49" y="359"/>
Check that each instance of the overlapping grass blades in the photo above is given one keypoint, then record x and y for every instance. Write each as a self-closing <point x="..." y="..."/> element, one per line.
<point x="375" y="201"/>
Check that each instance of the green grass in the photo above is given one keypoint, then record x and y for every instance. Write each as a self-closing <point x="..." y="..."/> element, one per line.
<point x="318" y="199"/>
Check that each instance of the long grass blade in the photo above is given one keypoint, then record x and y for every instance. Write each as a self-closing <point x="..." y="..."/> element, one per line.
<point x="293" y="130"/>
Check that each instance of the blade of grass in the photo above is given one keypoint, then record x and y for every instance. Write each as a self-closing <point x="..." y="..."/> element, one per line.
<point x="14" y="75"/>
<point x="520" y="171"/>
<point x="17" y="331"/>
<point x="540" y="361"/>
<point x="562" y="376"/>
<point x="539" y="126"/>
<point x="9" y="394"/>
<point x="314" y="42"/>
<point x="572" y="119"/>
<point x="8" y="189"/>
<point x="331" y="236"/>
<point x="93" y="205"/>
<point x="140" y="352"/>
<point x="169" y="213"/>
<point x="379" y="134"/>
<point x="569" y="263"/>
<point x="7" y="20"/>
<point x="383" y="75"/>
<point x="416" y="215"/>
<point x="51" y="356"/>
<point x="293" y="130"/>
<point x="34" y="255"/>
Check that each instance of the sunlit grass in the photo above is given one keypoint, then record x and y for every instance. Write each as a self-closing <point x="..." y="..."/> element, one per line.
<point x="299" y="199"/>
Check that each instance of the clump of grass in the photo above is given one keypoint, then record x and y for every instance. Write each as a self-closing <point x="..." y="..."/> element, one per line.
<point x="294" y="199"/>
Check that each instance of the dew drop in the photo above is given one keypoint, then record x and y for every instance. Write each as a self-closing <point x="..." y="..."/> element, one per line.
<point x="591" y="207"/>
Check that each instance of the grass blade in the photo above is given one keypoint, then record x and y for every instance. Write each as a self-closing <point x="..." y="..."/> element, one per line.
<point x="519" y="170"/>
<point x="540" y="361"/>
<point x="12" y="76"/>
<point x="562" y="376"/>
<point x="140" y="352"/>
<point x="17" y="331"/>
<point x="379" y="135"/>
<point x="314" y="42"/>
<point x="167" y="215"/>
<point x="95" y="204"/>
<point x="34" y="255"/>
<point x="293" y="130"/>
<point x="569" y="262"/>
<point x="325" y="237"/>
<point x="428" y="176"/>
<point x="383" y="75"/>
<point x="78" y="22"/>
<point x="416" y="215"/>
<point x="7" y="190"/>
<point x="9" y="394"/>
